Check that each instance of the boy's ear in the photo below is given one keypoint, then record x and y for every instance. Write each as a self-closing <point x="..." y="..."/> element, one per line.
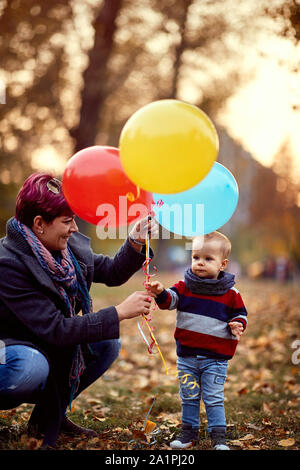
<point x="224" y="264"/>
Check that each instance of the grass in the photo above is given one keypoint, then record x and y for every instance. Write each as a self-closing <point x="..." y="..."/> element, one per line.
<point x="262" y="389"/>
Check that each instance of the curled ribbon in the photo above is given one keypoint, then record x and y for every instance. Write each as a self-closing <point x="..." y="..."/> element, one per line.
<point x="160" y="203"/>
<point x="186" y="379"/>
<point x="131" y="197"/>
<point x="149" y="346"/>
<point x="154" y="341"/>
<point x="145" y="268"/>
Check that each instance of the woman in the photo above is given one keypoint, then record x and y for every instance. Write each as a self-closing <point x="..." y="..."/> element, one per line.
<point x="46" y="271"/>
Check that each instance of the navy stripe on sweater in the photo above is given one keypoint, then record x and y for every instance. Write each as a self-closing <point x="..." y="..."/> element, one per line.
<point x="199" y="306"/>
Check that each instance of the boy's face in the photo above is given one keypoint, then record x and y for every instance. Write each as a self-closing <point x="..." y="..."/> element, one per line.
<point x="207" y="260"/>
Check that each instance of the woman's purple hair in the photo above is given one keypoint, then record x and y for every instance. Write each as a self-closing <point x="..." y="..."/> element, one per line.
<point x="34" y="198"/>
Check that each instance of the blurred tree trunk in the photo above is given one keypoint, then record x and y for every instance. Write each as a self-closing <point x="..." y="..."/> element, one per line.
<point x="288" y="12"/>
<point x="295" y="19"/>
<point x="182" y="23"/>
<point x="94" y="89"/>
<point x="93" y="93"/>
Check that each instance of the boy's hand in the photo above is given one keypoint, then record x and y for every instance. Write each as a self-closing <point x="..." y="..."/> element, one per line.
<point x="237" y="329"/>
<point x="155" y="287"/>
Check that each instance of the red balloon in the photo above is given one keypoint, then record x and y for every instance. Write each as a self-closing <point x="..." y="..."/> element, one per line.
<point x="98" y="190"/>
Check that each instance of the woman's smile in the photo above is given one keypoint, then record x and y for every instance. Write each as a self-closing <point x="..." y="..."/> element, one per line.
<point x="56" y="234"/>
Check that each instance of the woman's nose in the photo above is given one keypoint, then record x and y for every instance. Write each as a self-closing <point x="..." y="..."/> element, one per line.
<point x="74" y="227"/>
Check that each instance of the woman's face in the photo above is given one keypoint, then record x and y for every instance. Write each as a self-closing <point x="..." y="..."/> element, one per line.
<point x="55" y="235"/>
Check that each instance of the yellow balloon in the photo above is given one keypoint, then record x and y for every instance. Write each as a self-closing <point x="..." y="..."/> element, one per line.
<point x="168" y="146"/>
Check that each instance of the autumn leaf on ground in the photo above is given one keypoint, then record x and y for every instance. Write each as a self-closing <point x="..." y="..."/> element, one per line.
<point x="266" y="422"/>
<point x="248" y="437"/>
<point x="253" y="426"/>
<point x="236" y="442"/>
<point x="287" y="442"/>
<point x="150" y="426"/>
<point x="139" y="435"/>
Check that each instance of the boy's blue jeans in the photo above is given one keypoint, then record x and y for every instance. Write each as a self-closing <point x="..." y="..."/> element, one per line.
<point x="204" y="377"/>
<point x="24" y="371"/>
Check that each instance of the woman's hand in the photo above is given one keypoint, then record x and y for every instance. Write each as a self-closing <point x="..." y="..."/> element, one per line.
<point x="140" y="229"/>
<point x="136" y="304"/>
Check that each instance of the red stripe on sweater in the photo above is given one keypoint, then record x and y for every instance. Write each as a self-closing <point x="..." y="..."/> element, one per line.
<point x="192" y="339"/>
<point x="230" y="298"/>
<point x="241" y="320"/>
<point x="166" y="303"/>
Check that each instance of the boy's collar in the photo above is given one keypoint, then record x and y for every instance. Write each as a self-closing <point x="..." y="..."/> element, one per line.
<point x="199" y="285"/>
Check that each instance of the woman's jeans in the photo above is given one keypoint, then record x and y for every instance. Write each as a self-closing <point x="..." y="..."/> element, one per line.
<point x="204" y="377"/>
<point x="24" y="372"/>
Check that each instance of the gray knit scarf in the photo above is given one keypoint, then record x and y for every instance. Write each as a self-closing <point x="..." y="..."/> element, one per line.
<point x="218" y="286"/>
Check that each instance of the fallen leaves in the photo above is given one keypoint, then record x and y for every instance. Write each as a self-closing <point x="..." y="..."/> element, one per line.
<point x="251" y="442"/>
<point x="262" y="390"/>
<point x="31" y="443"/>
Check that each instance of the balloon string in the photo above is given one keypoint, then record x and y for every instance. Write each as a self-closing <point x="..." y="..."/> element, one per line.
<point x="156" y="344"/>
<point x="149" y="346"/>
<point x="149" y="411"/>
<point x="131" y="197"/>
<point x="145" y="268"/>
<point x="147" y="320"/>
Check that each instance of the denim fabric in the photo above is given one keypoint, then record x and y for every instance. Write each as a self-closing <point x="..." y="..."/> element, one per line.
<point x="25" y="371"/>
<point x="107" y="351"/>
<point x="202" y="377"/>
<point x="22" y="375"/>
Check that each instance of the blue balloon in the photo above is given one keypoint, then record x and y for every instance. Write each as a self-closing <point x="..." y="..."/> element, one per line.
<point x="201" y="209"/>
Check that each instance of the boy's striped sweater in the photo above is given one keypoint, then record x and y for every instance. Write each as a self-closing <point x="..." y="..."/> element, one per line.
<point x="202" y="320"/>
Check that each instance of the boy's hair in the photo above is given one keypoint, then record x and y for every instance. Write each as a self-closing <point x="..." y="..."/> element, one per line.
<point x="221" y="238"/>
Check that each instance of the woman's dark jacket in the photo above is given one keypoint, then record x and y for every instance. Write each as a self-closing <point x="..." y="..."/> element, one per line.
<point x="33" y="313"/>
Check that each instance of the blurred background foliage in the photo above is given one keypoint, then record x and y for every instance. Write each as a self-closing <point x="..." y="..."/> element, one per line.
<point x="74" y="71"/>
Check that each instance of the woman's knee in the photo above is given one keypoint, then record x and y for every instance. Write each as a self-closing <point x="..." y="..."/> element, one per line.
<point x="38" y="370"/>
<point x="116" y="347"/>
<point x="110" y="347"/>
<point x="26" y="370"/>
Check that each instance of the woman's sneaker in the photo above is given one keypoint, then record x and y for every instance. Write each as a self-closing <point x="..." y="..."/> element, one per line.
<point x="217" y="436"/>
<point x="187" y="437"/>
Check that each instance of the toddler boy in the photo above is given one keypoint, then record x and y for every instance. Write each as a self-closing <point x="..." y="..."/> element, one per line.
<point x="211" y="317"/>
